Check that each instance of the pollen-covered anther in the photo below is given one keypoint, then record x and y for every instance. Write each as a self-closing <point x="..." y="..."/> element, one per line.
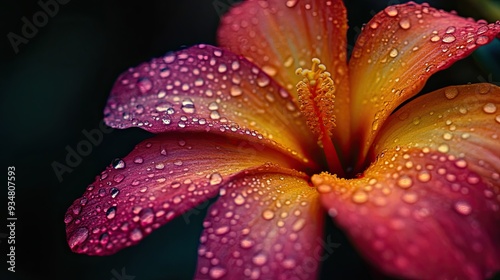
<point x="316" y="97"/>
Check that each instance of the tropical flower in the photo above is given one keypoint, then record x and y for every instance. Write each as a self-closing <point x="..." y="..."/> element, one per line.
<point x="416" y="189"/>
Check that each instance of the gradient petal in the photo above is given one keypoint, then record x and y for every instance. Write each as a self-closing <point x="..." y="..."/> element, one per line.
<point x="267" y="224"/>
<point x="282" y="35"/>
<point x="159" y="180"/>
<point x="204" y="88"/>
<point x="398" y="50"/>
<point x="462" y="122"/>
<point x="419" y="214"/>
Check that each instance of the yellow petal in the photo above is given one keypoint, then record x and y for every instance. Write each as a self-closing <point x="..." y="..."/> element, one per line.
<point x="398" y="50"/>
<point x="462" y="122"/>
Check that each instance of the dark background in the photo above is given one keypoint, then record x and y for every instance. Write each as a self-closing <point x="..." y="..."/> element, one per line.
<point x="56" y="86"/>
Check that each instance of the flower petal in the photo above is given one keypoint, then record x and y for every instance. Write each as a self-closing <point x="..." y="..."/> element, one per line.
<point x="419" y="215"/>
<point x="462" y="122"/>
<point x="283" y="35"/>
<point x="160" y="179"/>
<point x="204" y="88"/>
<point x="398" y="50"/>
<point x="267" y="224"/>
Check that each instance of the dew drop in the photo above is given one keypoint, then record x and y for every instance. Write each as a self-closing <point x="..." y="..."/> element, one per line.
<point x="78" y="237"/>
<point x="215" y="179"/>
<point x="217" y="272"/>
<point x="291" y="3"/>
<point x="443" y="148"/>
<point x="236" y="91"/>
<point x="424" y="176"/>
<point x="111" y="212"/>
<point x="268" y="214"/>
<point x="187" y="106"/>
<point x="299" y="224"/>
<point x="144" y="85"/>
<point x="118" y="178"/>
<point x="136" y="234"/>
<point x="114" y="192"/>
<point x="404" y="23"/>
<point x="222" y="230"/>
<point x="448" y="38"/>
<point x="435" y="38"/>
<point x="146" y="216"/>
<point x="259" y="259"/>
<point x="391" y="11"/>
<point x="263" y="80"/>
<point x="360" y="196"/>
<point x="451" y="92"/>
<point x="462" y="207"/>
<point x="239" y="199"/>
<point x="118" y="163"/>
<point x="410" y="197"/>
<point x="393" y="53"/>
<point x="138" y="160"/>
<point x="214" y="115"/>
<point x="489" y="108"/>
<point x="405" y="182"/>
<point x="482" y="40"/>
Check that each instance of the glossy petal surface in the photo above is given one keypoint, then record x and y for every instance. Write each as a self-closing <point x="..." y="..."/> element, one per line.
<point x="419" y="215"/>
<point x="207" y="89"/>
<point x="462" y="122"/>
<point x="267" y="224"/>
<point x="398" y="50"/>
<point x="282" y="35"/>
<point x="159" y="180"/>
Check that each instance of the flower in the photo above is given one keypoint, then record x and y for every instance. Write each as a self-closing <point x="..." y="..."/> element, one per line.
<point x="417" y="189"/>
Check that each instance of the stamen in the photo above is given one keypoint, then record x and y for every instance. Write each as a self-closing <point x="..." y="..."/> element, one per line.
<point x="316" y="98"/>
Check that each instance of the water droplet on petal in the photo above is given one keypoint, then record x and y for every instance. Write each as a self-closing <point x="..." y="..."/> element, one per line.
<point x="451" y="92"/>
<point x="405" y="182"/>
<point x="489" y="108"/>
<point x="404" y="23"/>
<point x="111" y="212"/>
<point x="78" y="237"/>
<point x="118" y="163"/>
<point x="391" y="11"/>
<point x="268" y="214"/>
<point x="215" y="179"/>
<point x="360" y="196"/>
<point x="114" y="192"/>
<point x="144" y="85"/>
<point x="239" y="199"/>
<point x="259" y="259"/>
<point x="291" y="3"/>
<point x="393" y="53"/>
<point x="136" y="235"/>
<point x="448" y="38"/>
<point x="462" y="207"/>
<point x="217" y="272"/>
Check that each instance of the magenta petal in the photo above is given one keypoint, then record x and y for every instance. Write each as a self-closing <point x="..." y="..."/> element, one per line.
<point x="204" y="88"/>
<point x="160" y="179"/>
<point x="267" y="224"/>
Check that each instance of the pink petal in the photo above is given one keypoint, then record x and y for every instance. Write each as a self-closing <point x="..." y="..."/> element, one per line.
<point x="267" y="224"/>
<point x="419" y="214"/>
<point x="160" y="179"/>
<point x="204" y="88"/>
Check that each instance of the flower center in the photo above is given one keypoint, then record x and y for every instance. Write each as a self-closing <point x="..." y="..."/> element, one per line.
<point x="316" y="99"/>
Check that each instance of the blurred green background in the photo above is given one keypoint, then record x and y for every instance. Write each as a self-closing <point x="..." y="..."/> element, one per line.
<point x="57" y="85"/>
